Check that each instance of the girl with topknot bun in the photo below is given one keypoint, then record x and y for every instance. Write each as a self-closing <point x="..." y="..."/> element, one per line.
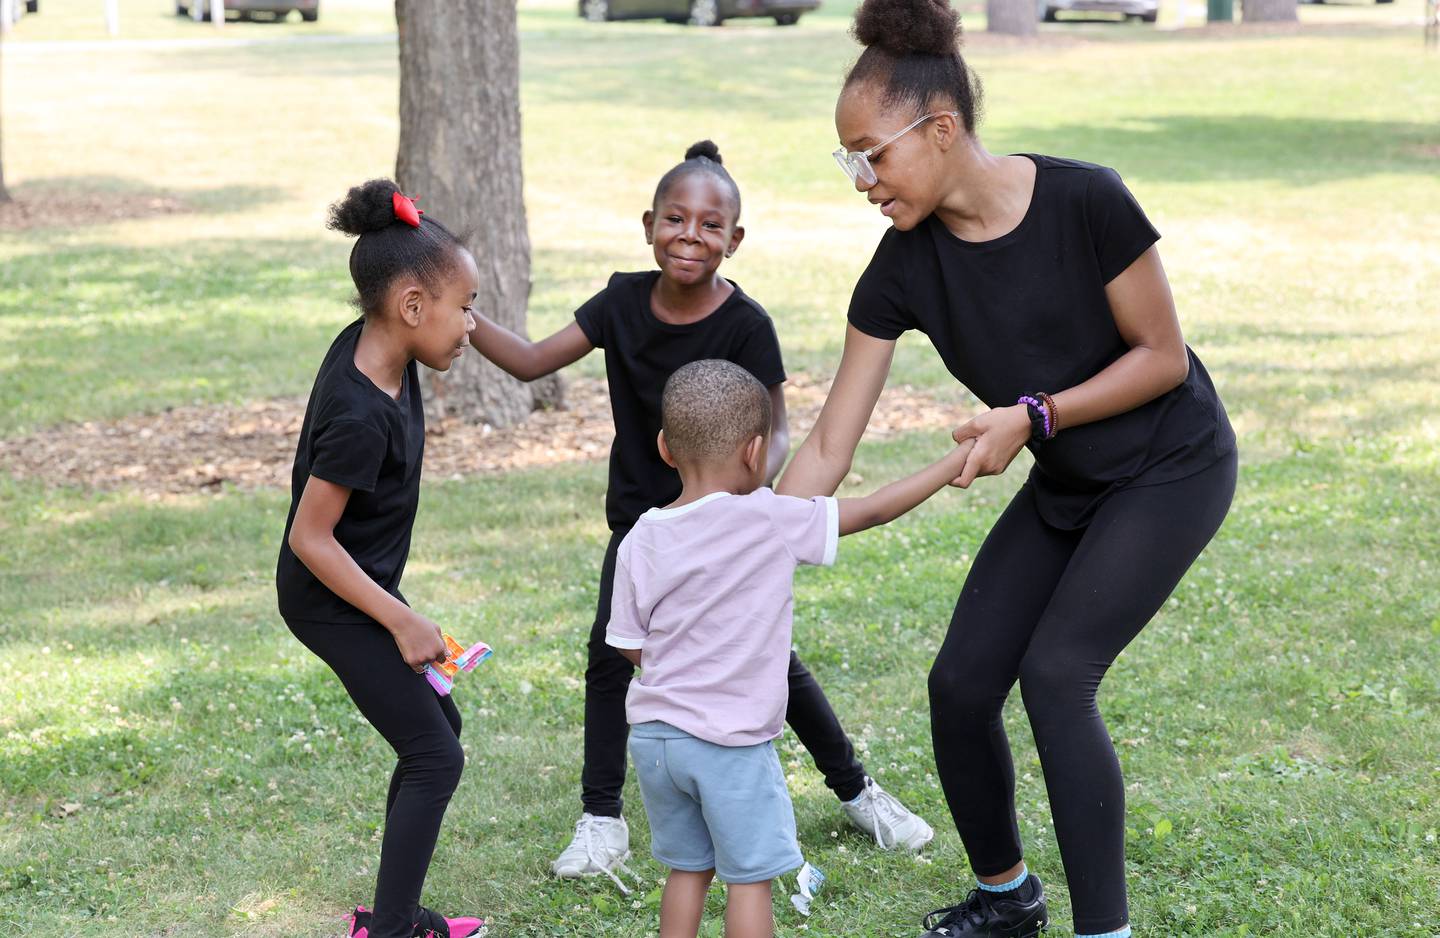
<point x="650" y="323"/>
<point x="354" y="491"/>
<point x="1038" y="282"/>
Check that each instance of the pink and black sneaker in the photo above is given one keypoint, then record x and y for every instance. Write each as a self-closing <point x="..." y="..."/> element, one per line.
<point x="429" y="925"/>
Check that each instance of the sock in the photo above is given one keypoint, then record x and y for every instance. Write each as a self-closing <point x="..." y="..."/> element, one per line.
<point x="1018" y="888"/>
<point x="1121" y="933"/>
<point x="853" y="792"/>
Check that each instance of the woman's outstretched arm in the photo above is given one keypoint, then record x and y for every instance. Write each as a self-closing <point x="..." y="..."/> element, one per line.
<point x="824" y="458"/>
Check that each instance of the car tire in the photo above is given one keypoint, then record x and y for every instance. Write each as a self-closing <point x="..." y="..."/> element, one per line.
<point x="181" y="9"/>
<point x="704" y="12"/>
<point x="787" y="19"/>
<point x="1050" y="16"/>
<point x="310" y="16"/>
<point x="32" y="6"/>
<point x="1149" y="17"/>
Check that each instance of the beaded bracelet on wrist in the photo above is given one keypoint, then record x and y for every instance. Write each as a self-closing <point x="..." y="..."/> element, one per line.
<point x="1039" y="418"/>
<point x="1052" y="426"/>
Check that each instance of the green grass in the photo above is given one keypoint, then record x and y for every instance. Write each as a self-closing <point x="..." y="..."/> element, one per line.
<point x="1276" y="721"/>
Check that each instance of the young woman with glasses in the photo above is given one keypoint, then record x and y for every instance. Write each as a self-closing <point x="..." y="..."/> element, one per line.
<point x="1038" y="282"/>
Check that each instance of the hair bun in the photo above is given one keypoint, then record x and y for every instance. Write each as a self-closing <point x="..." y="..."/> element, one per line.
<point x="908" y="27"/>
<point x="706" y="149"/>
<point x="367" y="207"/>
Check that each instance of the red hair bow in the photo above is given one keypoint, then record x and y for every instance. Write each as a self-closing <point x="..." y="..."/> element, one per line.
<point x="405" y="209"/>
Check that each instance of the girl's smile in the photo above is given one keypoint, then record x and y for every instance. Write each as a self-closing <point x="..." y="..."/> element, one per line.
<point x="693" y="229"/>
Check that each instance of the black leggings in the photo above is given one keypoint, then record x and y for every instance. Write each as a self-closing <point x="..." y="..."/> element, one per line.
<point x="607" y="678"/>
<point x="1053" y="608"/>
<point x="424" y="730"/>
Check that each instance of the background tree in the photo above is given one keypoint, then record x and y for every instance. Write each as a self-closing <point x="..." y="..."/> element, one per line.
<point x="4" y="193"/>
<point x="1268" y="11"/>
<point x="460" y="155"/>
<point x="1012" y="17"/>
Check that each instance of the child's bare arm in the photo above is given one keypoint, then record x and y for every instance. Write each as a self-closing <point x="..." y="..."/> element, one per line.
<point x="892" y="501"/>
<point x="632" y="655"/>
<point x="312" y="538"/>
<point x="779" y="434"/>
<point x="523" y="358"/>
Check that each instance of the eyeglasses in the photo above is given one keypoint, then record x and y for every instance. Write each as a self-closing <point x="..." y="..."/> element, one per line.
<point x="857" y="164"/>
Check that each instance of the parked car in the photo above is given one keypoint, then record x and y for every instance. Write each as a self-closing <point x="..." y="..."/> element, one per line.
<point x="1140" y="9"/>
<point x="245" y="9"/>
<point x="695" y="12"/>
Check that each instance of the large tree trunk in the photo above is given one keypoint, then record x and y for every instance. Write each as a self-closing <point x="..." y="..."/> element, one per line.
<point x="460" y="155"/>
<point x="4" y="193"/>
<point x="1012" y="17"/>
<point x="1268" y="11"/>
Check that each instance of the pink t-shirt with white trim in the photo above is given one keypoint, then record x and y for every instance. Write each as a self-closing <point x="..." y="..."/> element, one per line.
<point x="706" y="592"/>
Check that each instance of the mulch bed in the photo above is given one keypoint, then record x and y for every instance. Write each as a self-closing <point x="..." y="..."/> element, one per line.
<point x="207" y="449"/>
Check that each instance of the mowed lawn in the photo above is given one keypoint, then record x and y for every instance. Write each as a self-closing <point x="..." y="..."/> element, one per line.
<point x="172" y="761"/>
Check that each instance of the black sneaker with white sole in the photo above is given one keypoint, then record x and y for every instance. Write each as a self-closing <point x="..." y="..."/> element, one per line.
<point x="1015" y="913"/>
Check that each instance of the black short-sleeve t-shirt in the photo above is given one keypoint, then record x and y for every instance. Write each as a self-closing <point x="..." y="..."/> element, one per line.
<point x="1027" y="312"/>
<point x="641" y="353"/>
<point x="358" y="436"/>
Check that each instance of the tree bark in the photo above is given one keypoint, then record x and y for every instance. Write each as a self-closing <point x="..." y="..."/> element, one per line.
<point x="1011" y="17"/>
<point x="460" y="155"/>
<point x="4" y="193"/>
<point x="1268" y="11"/>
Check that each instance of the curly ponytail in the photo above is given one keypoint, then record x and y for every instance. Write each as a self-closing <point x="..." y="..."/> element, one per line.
<point x="912" y="55"/>
<point x="387" y="247"/>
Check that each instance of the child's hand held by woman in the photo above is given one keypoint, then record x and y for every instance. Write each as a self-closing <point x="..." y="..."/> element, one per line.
<point x="998" y="437"/>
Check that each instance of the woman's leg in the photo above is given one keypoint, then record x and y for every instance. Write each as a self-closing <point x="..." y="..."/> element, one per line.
<point x="1128" y="562"/>
<point x="422" y="728"/>
<point x="1007" y="589"/>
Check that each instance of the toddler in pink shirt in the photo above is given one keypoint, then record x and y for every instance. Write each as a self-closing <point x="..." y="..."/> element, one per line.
<point x="702" y="603"/>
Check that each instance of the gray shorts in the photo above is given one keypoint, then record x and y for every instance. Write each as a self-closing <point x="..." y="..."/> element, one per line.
<point x="724" y="808"/>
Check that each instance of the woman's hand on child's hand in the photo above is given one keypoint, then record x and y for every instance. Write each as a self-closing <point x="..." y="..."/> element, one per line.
<point x="998" y="435"/>
<point x="420" y="641"/>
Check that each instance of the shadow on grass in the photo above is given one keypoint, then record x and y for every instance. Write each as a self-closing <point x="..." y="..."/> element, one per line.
<point x="217" y="321"/>
<point x="1198" y="148"/>
<point x="63" y="203"/>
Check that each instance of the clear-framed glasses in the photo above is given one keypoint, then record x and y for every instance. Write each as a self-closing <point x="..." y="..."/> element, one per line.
<point x="857" y="163"/>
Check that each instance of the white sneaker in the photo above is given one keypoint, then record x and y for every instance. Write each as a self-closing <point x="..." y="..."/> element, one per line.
<point x="882" y="816"/>
<point x="601" y="846"/>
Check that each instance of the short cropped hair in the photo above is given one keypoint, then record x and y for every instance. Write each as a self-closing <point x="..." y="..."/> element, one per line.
<point x="710" y="407"/>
